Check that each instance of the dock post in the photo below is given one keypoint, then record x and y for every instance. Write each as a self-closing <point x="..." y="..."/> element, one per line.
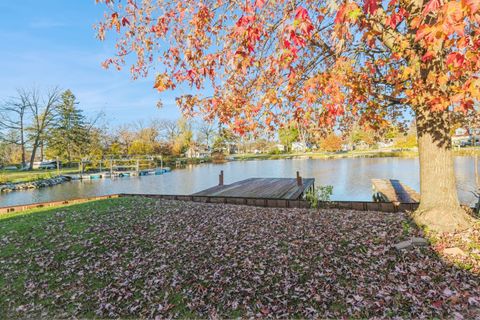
<point x="82" y="165"/>
<point x="299" y="179"/>
<point x="220" y="178"/>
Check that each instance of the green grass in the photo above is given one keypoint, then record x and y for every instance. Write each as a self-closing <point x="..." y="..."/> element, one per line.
<point x="63" y="233"/>
<point x="62" y="236"/>
<point x="349" y="154"/>
<point x="328" y="155"/>
<point x="141" y="258"/>
<point x="27" y="176"/>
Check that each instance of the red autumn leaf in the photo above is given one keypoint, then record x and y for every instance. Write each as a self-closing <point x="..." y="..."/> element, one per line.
<point x="301" y="14"/>
<point x="259" y="3"/>
<point x="473" y="5"/>
<point x="455" y="60"/>
<point x="340" y="17"/>
<point x="392" y="3"/>
<point x="396" y="18"/>
<point x="125" y="21"/>
<point x="428" y="56"/>
<point x="305" y="24"/>
<point x="437" y="304"/>
<point x="370" y="6"/>
<point x="422" y="32"/>
<point x="432" y="5"/>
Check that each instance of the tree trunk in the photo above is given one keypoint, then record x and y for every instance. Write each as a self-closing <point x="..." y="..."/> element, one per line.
<point x="22" y="146"/>
<point x="439" y="205"/>
<point x="34" y="153"/>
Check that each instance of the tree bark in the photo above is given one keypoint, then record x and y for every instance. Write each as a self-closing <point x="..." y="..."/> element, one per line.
<point x="34" y="153"/>
<point x="22" y="144"/>
<point x="439" y="208"/>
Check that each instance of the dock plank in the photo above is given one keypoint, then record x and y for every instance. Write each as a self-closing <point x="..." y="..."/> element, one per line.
<point x="269" y="188"/>
<point x="392" y="190"/>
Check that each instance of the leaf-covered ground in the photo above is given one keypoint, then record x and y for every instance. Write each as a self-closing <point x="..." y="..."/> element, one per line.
<point x="135" y="257"/>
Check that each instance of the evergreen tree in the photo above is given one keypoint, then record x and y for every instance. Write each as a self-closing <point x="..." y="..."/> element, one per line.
<point x="69" y="137"/>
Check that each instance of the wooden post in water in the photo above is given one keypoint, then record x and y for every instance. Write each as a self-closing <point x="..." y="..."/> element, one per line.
<point x="299" y="179"/>
<point x="82" y="168"/>
<point x="220" y="178"/>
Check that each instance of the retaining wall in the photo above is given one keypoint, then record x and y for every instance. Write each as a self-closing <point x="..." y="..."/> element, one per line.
<point x="284" y="203"/>
<point x="259" y="202"/>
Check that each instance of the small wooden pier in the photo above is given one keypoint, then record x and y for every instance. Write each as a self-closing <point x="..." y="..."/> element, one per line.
<point x="268" y="188"/>
<point x="117" y="174"/>
<point x="391" y="190"/>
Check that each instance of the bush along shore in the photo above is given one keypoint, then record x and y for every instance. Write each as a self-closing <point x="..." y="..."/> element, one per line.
<point x="7" y="187"/>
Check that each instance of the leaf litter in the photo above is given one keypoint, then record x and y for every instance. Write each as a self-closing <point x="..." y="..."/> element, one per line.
<point x="137" y="257"/>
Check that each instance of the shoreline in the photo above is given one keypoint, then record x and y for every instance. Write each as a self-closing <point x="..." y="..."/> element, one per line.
<point x="349" y="154"/>
<point x="34" y="182"/>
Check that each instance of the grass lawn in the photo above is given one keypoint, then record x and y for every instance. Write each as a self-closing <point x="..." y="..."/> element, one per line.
<point x="471" y="151"/>
<point x="26" y="176"/>
<point x="135" y="257"/>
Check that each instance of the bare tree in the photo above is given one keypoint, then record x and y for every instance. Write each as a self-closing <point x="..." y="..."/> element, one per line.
<point x="206" y="131"/>
<point x="169" y="129"/>
<point x="13" y="115"/>
<point x="125" y="137"/>
<point x="43" y="112"/>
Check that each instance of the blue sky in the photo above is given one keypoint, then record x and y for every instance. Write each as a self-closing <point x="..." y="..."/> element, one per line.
<point x="47" y="43"/>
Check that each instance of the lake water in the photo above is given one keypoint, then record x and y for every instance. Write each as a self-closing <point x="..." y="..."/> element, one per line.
<point x="350" y="178"/>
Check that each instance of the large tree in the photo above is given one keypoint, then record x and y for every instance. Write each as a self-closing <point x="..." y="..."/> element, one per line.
<point x="42" y="109"/>
<point x="206" y="130"/>
<point x="287" y="135"/>
<point x="317" y="62"/>
<point x="69" y="135"/>
<point x="13" y="121"/>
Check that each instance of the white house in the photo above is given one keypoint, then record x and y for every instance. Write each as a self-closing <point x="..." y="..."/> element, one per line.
<point x="299" y="146"/>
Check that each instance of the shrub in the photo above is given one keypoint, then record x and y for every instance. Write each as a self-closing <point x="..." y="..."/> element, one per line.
<point x="318" y="195"/>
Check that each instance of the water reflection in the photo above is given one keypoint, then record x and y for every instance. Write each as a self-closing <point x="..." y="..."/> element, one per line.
<point x="350" y="178"/>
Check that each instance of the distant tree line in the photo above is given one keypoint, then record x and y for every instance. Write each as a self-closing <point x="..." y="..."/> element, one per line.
<point x="37" y="125"/>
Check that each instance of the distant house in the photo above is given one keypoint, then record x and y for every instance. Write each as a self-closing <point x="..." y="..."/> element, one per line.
<point x="299" y="146"/>
<point x="280" y="147"/>
<point x="475" y="133"/>
<point x="466" y="137"/>
<point x="385" y="144"/>
<point x="197" y="152"/>
<point x="362" y="145"/>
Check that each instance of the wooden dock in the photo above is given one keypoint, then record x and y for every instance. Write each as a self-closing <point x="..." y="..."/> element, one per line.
<point x="268" y="188"/>
<point x="118" y="174"/>
<point x="391" y="190"/>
